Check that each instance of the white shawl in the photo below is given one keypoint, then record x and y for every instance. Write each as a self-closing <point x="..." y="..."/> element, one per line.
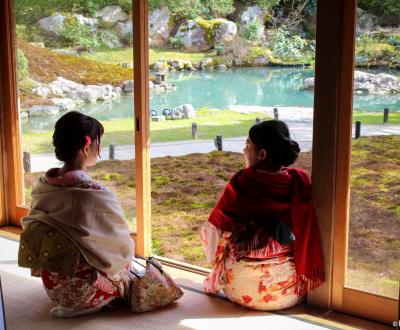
<point x="92" y="219"/>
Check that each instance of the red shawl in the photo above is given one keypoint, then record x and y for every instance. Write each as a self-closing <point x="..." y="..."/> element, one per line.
<point x="257" y="196"/>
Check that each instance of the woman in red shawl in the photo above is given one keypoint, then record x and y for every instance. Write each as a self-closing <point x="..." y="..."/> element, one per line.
<point x="262" y="237"/>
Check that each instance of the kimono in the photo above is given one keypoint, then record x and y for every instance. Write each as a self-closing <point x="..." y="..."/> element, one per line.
<point x="76" y="239"/>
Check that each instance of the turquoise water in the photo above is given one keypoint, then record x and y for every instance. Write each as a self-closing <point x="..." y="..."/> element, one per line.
<point x="222" y="89"/>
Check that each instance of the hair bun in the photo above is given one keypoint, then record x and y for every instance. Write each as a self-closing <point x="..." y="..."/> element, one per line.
<point x="293" y="152"/>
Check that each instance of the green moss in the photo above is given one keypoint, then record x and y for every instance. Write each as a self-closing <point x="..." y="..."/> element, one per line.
<point x="209" y="27"/>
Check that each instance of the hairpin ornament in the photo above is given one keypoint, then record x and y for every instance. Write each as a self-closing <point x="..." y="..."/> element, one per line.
<point x="88" y="140"/>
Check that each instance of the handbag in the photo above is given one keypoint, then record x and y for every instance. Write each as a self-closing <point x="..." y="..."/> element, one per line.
<point x="152" y="288"/>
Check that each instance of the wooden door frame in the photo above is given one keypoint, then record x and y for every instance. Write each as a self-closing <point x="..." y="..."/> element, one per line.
<point x="332" y="135"/>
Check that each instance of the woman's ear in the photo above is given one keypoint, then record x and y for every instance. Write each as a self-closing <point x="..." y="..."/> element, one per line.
<point x="262" y="155"/>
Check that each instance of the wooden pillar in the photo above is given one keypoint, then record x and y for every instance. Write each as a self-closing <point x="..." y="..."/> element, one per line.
<point x="142" y="126"/>
<point x="11" y="179"/>
<point x="333" y="100"/>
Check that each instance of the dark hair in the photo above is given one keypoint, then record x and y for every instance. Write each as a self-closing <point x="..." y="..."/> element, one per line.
<point x="70" y="131"/>
<point x="274" y="137"/>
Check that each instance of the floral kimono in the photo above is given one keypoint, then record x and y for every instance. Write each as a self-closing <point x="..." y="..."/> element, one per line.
<point x="94" y="281"/>
<point x="254" y="260"/>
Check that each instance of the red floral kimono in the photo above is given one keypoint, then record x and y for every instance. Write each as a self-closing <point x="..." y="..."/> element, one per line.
<point x="258" y="272"/>
<point x="89" y="288"/>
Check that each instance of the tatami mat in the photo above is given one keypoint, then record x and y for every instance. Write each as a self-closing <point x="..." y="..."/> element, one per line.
<point x="27" y="308"/>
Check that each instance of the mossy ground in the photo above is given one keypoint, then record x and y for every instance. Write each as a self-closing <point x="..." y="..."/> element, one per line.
<point x="184" y="190"/>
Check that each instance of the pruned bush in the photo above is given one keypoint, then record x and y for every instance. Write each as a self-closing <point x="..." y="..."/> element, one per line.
<point x="287" y="47"/>
<point x="176" y="42"/>
<point x="253" y="31"/>
<point x="22" y="65"/>
<point x="78" y="35"/>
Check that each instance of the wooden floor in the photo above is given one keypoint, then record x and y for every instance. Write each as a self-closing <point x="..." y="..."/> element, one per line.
<point x="27" y="308"/>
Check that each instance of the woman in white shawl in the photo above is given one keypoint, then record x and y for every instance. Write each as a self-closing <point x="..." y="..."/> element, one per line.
<point x="75" y="236"/>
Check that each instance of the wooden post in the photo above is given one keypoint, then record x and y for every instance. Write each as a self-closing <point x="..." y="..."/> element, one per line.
<point x="276" y="114"/>
<point x="142" y="125"/>
<point x="358" y="129"/>
<point x="194" y="131"/>
<point x="218" y="142"/>
<point x="111" y="151"/>
<point x="385" y="115"/>
<point x="27" y="162"/>
<point x="258" y="120"/>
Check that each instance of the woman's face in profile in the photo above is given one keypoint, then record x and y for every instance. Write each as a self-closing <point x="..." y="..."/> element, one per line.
<point x="250" y="153"/>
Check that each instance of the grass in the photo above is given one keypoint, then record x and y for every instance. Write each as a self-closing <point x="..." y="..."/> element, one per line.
<point x="184" y="189"/>
<point x="45" y="66"/>
<point x="120" y="131"/>
<point x="125" y="55"/>
<point x="209" y="122"/>
<point x="375" y="117"/>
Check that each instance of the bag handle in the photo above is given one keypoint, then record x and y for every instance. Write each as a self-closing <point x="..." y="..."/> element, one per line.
<point x="150" y="261"/>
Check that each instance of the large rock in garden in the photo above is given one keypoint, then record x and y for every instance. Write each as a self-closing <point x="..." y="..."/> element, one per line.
<point x="181" y="64"/>
<point x="41" y="90"/>
<point x="124" y="29"/>
<point x="253" y="13"/>
<point x="207" y="63"/>
<point x="52" y="25"/>
<point x="127" y="87"/>
<point x="183" y="111"/>
<point x="193" y="36"/>
<point x="225" y="32"/>
<point x="82" y="93"/>
<point x="111" y="15"/>
<point x="365" y="22"/>
<point x="160" y="65"/>
<point x="43" y="111"/>
<point x="65" y="104"/>
<point x="93" y="23"/>
<point x="159" y="27"/>
<point x="364" y="82"/>
<point x="110" y="39"/>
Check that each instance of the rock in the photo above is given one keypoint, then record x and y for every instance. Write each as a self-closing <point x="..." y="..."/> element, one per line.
<point x="364" y="82"/>
<point x="82" y="93"/>
<point x="261" y="60"/>
<point x="225" y="32"/>
<point x="111" y="15"/>
<point x="221" y="67"/>
<point x="93" y="23"/>
<point x="206" y="63"/>
<point x="193" y="36"/>
<point x="38" y="44"/>
<point x="110" y="39"/>
<point x="127" y="87"/>
<point x="128" y="65"/>
<point x="52" y="25"/>
<point x="181" y="64"/>
<point x="43" y="111"/>
<point x="159" y="27"/>
<point x="160" y="65"/>
<point x="158" y="118"/>
<point x="253" y="13"/>
<point x="41" y="90"/>
<point x="66" y="51"/>
<point x="176" y="114"/>
<point x="365" y="22"/>
<point x="64" y="104"/>
<point x="124" y="29"/>
<point x="183" y="111"/>
<point x="308" y="83"/>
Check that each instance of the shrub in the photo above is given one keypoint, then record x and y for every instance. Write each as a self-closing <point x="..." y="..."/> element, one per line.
<point x="176" y="42"/>
<point x="285" y="46"/>
<point x="236" y="52"/>
<point x="394" y="41"/>
<point x="77" y="35"/>
<point x="22" y="65"/>
<point x="253" y="31"/>
<point x="219" y="48"/>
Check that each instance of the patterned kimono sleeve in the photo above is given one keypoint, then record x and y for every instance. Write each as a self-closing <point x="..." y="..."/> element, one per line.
<point x="210" y="237"/>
